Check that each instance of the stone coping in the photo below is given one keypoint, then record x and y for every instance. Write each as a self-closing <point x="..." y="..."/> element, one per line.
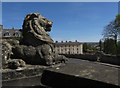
<point x="89" y="70"/>
<point x="24" y="72"/>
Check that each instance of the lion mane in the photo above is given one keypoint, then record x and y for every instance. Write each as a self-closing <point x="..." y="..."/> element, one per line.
<point x="35" y="28"/>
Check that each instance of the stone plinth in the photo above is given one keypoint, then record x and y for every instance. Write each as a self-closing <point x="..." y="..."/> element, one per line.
<point x="27" y="76"/>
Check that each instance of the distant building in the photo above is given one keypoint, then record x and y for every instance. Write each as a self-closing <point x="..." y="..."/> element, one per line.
<point x="118" y="38"/>
<point x="68" y="47"/>
<point x="1" y="27"/>
<point x="9" y="33"/>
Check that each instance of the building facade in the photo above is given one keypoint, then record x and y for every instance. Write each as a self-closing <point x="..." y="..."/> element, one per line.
<point x="1" y="27"/>
<point x="68" y="47"/>
<point x="9" y="33"/>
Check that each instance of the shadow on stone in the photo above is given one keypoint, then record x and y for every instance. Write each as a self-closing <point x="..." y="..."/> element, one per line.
<point x="57" y="80"/>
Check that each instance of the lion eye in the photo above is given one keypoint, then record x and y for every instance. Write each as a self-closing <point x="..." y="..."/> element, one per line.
<point x="50" y="22"/>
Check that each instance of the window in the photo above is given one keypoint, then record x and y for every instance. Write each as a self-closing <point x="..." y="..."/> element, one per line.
<point x="16" y="34"/>
<point x="1" y="27"/>
<point x="77" y="48"/>
<point x="7" y="34"/>
<point x="65" y="49"/>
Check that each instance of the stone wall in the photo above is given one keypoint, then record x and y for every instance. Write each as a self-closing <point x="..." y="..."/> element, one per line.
<point x="100" y="57"/>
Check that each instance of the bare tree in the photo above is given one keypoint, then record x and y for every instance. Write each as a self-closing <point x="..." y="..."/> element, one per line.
<point x="117" y="26"/>
<point x="111" y="31"/>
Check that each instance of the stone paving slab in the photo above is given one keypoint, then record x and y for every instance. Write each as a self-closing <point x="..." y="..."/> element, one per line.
<point x="87" y="70"/>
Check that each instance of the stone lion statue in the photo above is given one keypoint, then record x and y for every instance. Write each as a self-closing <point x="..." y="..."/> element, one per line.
<point x="36" y="45"/>
<point x="7" y="62"/>
<point x="35" y="28"/>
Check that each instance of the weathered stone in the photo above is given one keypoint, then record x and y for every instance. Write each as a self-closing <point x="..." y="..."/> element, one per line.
<point x="34" y="30"/>
<point x="76" y="74"/>
<point x="7" y="62"/>
<point x="15" y="63"/>
<point x="36" y="45"/>
<point x="6" y="52"/>
<point x="82" y="74"/>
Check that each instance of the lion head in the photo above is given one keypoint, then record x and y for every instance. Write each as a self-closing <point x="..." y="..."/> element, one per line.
<point x="36" y="26"/>
<point x="42" y="21"/>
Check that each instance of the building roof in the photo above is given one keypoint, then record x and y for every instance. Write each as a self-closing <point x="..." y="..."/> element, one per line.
<point x="10" y="31"/>
<point x="67" y="43"/>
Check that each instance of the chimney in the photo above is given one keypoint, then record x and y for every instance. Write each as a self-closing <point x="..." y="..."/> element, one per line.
<point x="1" y="27"/>
<point x="76" y="41"/>
<point x="61" y="41"/>
<point x="56" y="41"/>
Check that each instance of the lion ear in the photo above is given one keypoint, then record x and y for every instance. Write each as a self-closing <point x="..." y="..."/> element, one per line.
<point x="38" y="14"/>
<point x="31" y="16"/>
<point x="49" y="21"/>
<point x="27" y="17"/>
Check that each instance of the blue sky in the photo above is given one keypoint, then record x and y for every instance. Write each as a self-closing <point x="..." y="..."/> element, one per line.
<point x="82" y="21"/>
